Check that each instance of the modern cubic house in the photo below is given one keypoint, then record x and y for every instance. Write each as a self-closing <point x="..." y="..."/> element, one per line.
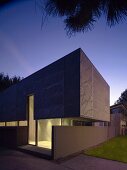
<point x="57" y="100"/>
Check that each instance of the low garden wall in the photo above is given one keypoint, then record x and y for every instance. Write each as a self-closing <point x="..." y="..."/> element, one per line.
<point x="13" y="136"/>
<point x="68" y="140"/>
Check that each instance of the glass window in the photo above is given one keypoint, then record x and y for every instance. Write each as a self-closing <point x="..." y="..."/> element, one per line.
<point x="32" y="123"/>
<point x="23" y="123"/>
<point x="12" y="123"/>
<point x="67" y="122"/>
<point x="2" y="123"/>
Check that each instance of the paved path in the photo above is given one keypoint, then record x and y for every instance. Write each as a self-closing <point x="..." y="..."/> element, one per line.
<point x="83" y="162"/>
<point x="15" y="160"/>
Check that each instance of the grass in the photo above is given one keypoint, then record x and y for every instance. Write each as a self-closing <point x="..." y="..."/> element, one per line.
<point x="114" y="149"/>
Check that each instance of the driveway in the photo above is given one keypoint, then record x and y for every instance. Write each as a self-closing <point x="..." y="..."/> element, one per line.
<point x="83" y="162"/>
<point x="15" y="160"/>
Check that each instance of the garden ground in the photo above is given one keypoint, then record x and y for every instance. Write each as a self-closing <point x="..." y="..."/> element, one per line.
<point x="114" y="149"/>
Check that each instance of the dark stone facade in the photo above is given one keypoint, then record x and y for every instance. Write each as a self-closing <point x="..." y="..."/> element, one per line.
<point x="56" y="90"/>
<point x="69" y="87"/>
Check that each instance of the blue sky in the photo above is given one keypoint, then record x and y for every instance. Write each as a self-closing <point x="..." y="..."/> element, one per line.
<point x="25" y="47"/>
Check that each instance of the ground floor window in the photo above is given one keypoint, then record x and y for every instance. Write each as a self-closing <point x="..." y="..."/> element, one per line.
<point x="23" y="123"/>
<point x="14" y="123"/>
<point x="2" y="123"/>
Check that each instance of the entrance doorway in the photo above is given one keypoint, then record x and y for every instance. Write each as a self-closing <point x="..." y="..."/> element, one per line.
<point x="31" y="121"/>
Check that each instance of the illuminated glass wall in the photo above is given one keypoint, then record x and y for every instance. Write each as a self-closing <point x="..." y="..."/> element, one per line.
<point x="23" y="123"/>
<point x="45" y="132"/>
<point x="12" y="123"/>
<point x="2" y="123"/>
<point x="31" y="138"/>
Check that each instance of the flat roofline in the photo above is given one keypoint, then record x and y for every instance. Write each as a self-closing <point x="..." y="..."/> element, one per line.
<point x="117" y="105"/>
<point x="75" y="51"/>
<point x="53" y="62"/>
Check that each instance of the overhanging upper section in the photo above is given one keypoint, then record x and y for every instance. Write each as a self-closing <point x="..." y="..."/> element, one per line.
<point x="94" y="92"/>
<point x="69" y="87"/>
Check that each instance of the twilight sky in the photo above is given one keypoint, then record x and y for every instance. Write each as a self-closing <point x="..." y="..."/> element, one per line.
<point x="25" y="47"/>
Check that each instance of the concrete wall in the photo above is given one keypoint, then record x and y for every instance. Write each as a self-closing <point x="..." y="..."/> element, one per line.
<point x="112" y="132"/>
<point x="94" y="92"/>
<point x="115" y="122"/>
<point x="13" y="136"/>
<point x="22" y="135"/>
<point x="68" y="140"/>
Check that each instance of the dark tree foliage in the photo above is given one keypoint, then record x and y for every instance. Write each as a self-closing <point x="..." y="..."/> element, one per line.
<point x="122" y="99"/>
<point x="6" y="81"/>
<point x="4" y="2"/>
<point x="80" y="15"/>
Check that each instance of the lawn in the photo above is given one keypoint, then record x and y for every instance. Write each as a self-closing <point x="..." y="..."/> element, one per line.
<point x="114" y="149"/>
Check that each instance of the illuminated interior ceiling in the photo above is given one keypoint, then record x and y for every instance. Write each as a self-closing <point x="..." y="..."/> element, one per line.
<point x="43" y="144"/>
